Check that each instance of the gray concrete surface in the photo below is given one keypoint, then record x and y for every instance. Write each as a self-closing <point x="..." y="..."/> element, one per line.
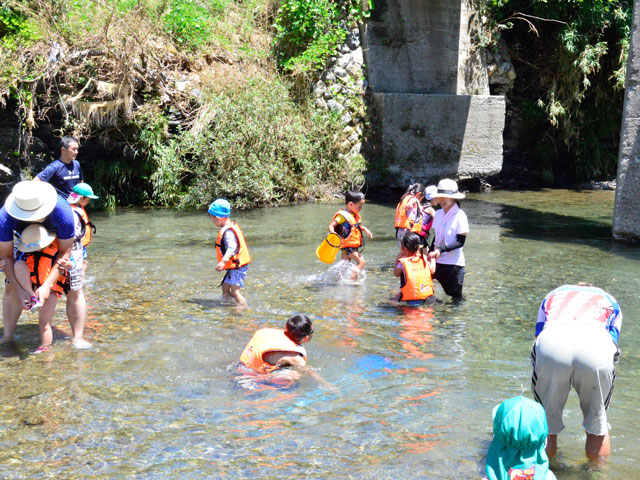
<point x="426" y="137"/>
<point x="626" y="213"/>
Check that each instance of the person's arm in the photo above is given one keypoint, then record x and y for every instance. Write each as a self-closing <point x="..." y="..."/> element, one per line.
<point x="397" y="269"/>
<point x="366" y="230"/>
<point x="6" y="254"/>
<point x="231" y="242"/>
<point x="333" y="225"/>
<point x="431" y="262"/>
<point x="459" y="242"/>
<point x="542" y="317"/>
<point x="47" y="174"/>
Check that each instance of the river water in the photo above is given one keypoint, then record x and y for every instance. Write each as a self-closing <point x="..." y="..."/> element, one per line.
<point x="414" y="389"/>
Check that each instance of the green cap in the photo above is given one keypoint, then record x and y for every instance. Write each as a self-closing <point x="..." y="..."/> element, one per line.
<point x="84" y="190"/>
<point x="519" y="437"/>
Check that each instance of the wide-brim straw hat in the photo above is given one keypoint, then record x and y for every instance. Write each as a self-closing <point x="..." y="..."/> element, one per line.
<point x="35" y="237"/>
<point x="31" y="200"/>
<point x="448" y="188"/>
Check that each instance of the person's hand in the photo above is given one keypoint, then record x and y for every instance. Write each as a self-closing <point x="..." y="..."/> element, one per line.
<point x="65" y="263"/>
<point x="24" y="298"/>
<point x="43" y="293"/>
<point x="3" y="264"/>
<point x="435" y="254"/>
<point x="220" y="266"/>
<point x="367" y="231"/>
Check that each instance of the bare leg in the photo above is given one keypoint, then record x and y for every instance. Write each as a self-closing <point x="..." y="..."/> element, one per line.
<point x="226" y="291"/>
<point x="359" y="259"/>
<point x="10" y="313"/>
<point x="598" y="448"/>
<point x="23" y="275"/>
<point x="44" y="320"/>
<point x="84" y="269"/>
<point x="235" y="293"/>
<point x="552" y="445"/>
<point x="77" y="314"/>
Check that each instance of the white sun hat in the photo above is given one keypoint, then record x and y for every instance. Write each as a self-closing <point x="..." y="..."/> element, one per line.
<point x="31" y="200"/>
<point x="35" y="237"/>
<point x="448" y="188"/>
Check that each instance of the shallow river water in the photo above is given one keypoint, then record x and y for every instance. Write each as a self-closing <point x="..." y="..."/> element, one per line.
<point x="414" y="389"/>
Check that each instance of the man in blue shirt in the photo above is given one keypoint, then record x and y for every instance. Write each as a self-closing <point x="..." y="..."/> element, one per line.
<point x="35" y="202"/>
<point x="65" y="172"/>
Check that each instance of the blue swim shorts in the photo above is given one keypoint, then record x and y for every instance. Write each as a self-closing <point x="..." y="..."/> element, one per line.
<point x="236" y="276"/>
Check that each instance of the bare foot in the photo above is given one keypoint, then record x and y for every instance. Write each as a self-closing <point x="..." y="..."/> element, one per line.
<point x="81" y="344"/>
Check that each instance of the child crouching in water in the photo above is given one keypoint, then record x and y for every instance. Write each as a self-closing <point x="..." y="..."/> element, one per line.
<point x="231" y="249"/>
<point x="414" y="270"/>
<point x="36" y="271"/>
<point x="348" y="225"/>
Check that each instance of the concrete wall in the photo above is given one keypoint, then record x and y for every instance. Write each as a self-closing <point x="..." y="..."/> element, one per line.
<point x="430" y="89"/>
<point x="425" y="137"/>
<point x="423" y="46"/>
<point x="626" y="215"/>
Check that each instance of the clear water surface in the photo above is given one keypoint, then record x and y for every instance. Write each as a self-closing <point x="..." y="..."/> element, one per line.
<point x="156" y="397"/>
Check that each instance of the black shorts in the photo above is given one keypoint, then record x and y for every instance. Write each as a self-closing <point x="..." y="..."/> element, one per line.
<point x="451" y="278"/>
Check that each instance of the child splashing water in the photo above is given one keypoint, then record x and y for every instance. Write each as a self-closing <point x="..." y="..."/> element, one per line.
<point x="348" y="225"/>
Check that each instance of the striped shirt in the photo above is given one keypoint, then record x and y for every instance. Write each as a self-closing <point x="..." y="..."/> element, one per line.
<point x="582" y="305"/>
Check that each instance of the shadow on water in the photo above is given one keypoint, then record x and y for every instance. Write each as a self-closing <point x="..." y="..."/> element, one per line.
<point x="530" y="224"/>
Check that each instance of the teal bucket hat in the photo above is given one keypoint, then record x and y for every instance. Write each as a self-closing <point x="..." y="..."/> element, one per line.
<point x="220" y="208"/>
<point x="519" y="437"/>
<point x="84" y="190"/>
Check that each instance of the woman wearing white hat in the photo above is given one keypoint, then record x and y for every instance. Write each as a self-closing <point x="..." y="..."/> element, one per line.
<point x="451" y="227"/>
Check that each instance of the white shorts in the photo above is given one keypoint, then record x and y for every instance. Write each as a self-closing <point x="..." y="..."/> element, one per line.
<point x="578" y="356"/>
<point x="75" y="274"/>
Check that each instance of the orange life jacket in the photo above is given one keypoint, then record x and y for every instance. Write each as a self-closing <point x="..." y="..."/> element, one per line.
<point x="87" y="226"/>
<point x="417" y="283"/>
<point x="40" y="264"/>
<point x="402" y="221"/>
<point x="242" y="257"/>
<point x="349" y="230"/>
<point x="268" y="340"/>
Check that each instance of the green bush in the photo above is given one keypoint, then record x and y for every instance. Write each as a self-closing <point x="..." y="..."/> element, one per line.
<point x="190" y="22"/>
<point x="308" y="31"/>
<point x="259" y="149"/>
<point x="573" y="68"/>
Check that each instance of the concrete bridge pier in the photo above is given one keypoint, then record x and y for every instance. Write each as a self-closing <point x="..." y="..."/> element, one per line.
<point x="626" y="214"/>
<point x="431" y="92"/>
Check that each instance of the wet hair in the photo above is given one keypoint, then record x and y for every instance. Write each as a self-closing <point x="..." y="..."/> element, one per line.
<point x="298" y="327"/>
<point x="585" y="284"/>
<point x="414" y="189"/>
<point x="65" y="142"/>
<point x="411" y="242"/>
<point x="353" y="196"/>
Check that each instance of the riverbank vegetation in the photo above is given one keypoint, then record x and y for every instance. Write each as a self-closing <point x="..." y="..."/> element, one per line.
<point x="193" y="99"/>
<point x="571" y="58"/>
<point x="192" y="96"/>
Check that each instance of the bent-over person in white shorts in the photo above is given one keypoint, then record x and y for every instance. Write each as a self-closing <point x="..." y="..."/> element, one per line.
<point x="576" y="346"/>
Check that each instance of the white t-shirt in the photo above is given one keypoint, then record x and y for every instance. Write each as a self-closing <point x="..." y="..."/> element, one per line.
<point x="456" y="223"/>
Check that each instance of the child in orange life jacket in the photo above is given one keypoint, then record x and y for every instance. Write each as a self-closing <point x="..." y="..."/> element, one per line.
<point x="415" y="270"/>
<point x="348" y="225"/>
<point x="35" y="271"/>
<point x="78" y="199"/>
<point x="270" y="351"/>
<point x="231" y="249"/>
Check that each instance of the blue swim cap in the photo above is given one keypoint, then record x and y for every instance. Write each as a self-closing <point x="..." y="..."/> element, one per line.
<point x="220" y="208"/>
